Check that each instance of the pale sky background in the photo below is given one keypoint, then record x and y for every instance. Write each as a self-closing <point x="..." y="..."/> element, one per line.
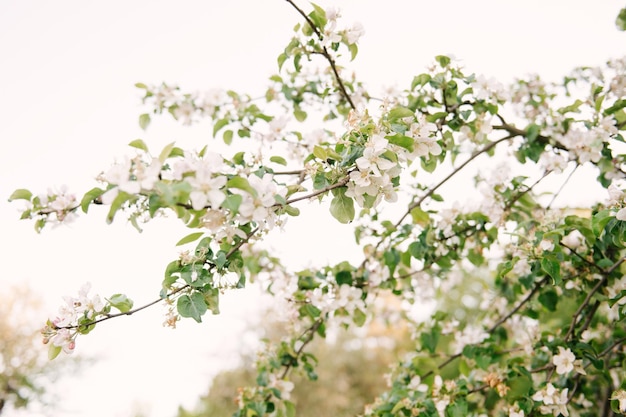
<point x="68" y="108"/>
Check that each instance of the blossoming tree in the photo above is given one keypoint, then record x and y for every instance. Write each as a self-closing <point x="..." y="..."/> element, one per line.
<point x="546" y="336"/>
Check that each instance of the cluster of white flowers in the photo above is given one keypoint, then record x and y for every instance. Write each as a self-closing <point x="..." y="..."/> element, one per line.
<point x="526" y="98"/>
<point x="130" y="176"/>
<point x="617" y="198"/>
<point x="470" y="335"/>
<point x="257" y="206"/>
<point x="552" y="400"/>
<point x="75" y="309"/>
<point x="332" y="35"/>
<point x="526" y="331"/>
<point x="374" y="173"/>
<point x="477" y="130"/>
<point x="205" y="177"/>
<point x="340" y="302"/>
<point x="423" y="133"/>
<point x="185" y="107"/>
<point x="620" y="396"/>
<point x="381" y="161"/>
<point x="61" y="203"/>
<point x="618" y="78"/>
<point x="553" y="162"/>
<point x="565" y="362"/>
<point x="488" y="89"/>
<point x="586" y="144"/>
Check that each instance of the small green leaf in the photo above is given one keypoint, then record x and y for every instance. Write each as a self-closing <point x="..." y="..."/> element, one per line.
<point x="402" y="141"/>
<point x="121" y="302"/>
<point x="431" y="339"/>
<point x="21" y="194"/>
<point x="117" y="203"/>
<point x="89" y="197"/>
<point x="219" y="125"/>
<point x="420" y="217"/>
<point x="399" y="113"/>
<point x="228" y="137"/>
<point x="278" y="160"/>
<point x="192" y="237"/>
<point x="342" y="207"/>
<point x="354" y="50"/>
<point x="281" y="60"/>
<point x="299" y="114"/>
<point x="620" y="21"/>
<point x="144" y="121"/>
<point x="552" y="267"/>
<point x="166" y="152"/>
<point x="320" y="153"/>
<point x="232" y="203"/>
<point x="139" y="144"/>
<point x="192" y="306"/>
<point x="53" y="351"/>
<point x="241" y="184"/>
<point x="549" y="299"/>
<point x="141" y="85"/>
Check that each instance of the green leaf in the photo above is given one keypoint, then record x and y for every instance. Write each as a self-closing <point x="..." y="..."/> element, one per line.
<point x="21" y="194"/>
<point x="232" y="203"/>
<point x="549" y="299"/>
<point x="53" y="351"/>
<point x="278" y="160"/>
<point x="420" y="80"/>
<point x="431" y="339"/>
<point x="144" y="121"/>
<point x="228" y="137"/>
<point x="519" y="388"/>
<point x="281" y="60"/>
<point x="354" y="50"/>
<point x="402" y="141"/>
<point x="420" y="217"/>
<point x="290" y="409"/>
<point x="139" y="144"/>
<point x="399" y="113"/>
<point x="552" y="267"/>
<point x="89" y="197"/>
<point x="219" y="125"/>
<point x="443" y="60"/>
<point x="192" y="306"/>
<point x="192" y="237"/>
<point x="620" y="21"/>
<point x="318" y="16"/>
<point x="599" y="220"/>
<point x="320" y="152"/>
<point x="342" y="207"/>
<point x="241" y="184"/>
<point x="619" y="104"/>
<point x="141" y="85"/>
<point x="121" y="302"/>
<point x="299" y="114"/>
<point x="165" y="153"/>
<point x="117" y="203"/>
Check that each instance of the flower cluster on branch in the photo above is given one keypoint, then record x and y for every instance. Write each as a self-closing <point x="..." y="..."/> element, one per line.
<point x="529" y="299"/>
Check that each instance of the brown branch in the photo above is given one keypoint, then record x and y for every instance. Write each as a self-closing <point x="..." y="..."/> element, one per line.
<point x="324" y="52"/>
<point x="308" y="337"/>
<point x="338" y="184"/>
<point x="519" y="306"/>
<point x="587" y="300"/>
<point x="151" y="303"/>
<point x="432" y="190"/>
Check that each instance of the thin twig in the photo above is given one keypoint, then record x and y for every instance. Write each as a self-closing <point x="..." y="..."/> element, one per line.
<point x="324" y="52"/>
<point x="170" y="294"/>
<point x="569" y="177"/>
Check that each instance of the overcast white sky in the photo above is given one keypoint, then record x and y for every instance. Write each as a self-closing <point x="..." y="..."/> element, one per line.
<point x="68" y="108"/>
